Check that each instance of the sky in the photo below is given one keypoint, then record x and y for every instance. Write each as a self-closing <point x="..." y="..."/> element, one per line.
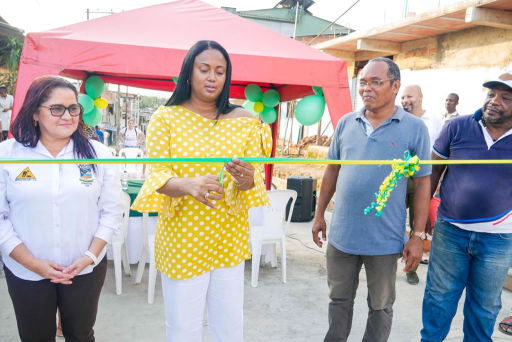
<point x="43" y="15"/>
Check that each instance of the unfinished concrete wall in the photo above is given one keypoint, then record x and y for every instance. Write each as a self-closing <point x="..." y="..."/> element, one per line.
<point x="476" y="47"/>
<point x="417" y="54"/>
<point x="457" y="62"/>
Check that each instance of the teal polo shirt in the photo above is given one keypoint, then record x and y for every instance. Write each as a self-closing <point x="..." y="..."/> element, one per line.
<point x="351" y="231"/>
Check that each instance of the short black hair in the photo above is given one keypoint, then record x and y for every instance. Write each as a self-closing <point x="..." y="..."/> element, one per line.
<point x="183" y="88"/>
<point x="3" y="88"/>
<point x="393" y="69"/>
<point x="457" y="96"/>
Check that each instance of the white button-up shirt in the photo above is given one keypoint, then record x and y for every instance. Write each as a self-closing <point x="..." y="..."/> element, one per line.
<point x="447" y="117"/>
<point x="434" y="126"/>
<point x="6" y="102"/>
<point x="56" y="210"/>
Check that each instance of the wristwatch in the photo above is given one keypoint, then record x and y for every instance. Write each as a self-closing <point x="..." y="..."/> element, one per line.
<point x="93" y="257"/>
<point x="421" y="235"/>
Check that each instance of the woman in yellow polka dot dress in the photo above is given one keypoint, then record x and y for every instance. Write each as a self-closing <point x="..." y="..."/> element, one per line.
<point x="202" y="236"/>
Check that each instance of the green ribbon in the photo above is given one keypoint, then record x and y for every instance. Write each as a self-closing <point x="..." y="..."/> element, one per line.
<point x="400" y="168"/>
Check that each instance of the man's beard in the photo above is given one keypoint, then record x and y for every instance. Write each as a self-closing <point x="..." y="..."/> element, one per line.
<point x="500" y="120"/>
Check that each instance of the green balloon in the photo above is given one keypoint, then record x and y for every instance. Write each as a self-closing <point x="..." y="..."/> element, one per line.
<point x="86" y="101"/>
<point x="253" y="93"/>
<point x="310" y="109"/>
<point x="318" y="90"/>
<point x="268" y="115"/>
<point x="93" y="117"/>
<point x="175" y="79"/>
<point x="249" y="105"/>
<point x="271" y="98"/>
<point x="94" y="86"/>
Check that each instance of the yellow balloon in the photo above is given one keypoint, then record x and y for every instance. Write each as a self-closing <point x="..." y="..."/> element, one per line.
<point x="101" y="103"/>
<point x="258" y="107"/>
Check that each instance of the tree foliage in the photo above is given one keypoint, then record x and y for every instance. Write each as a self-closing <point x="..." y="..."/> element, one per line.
<point x="151" y="102"/>
<point x="10" y="54"/>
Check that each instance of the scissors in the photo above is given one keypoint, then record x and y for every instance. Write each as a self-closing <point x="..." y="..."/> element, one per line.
<point x="221" y="175"/>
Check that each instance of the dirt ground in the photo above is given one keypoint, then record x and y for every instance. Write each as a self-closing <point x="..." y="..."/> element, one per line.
<point x="285" y="170"/>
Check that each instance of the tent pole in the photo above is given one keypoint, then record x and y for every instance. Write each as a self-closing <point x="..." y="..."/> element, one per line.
<point x="284" y="135"/>
<point x="319" y="133"/>
<point x="269" y="168"/>
<point x="126" y="113"/>
<point x="118" y="111"/>
<point x="296" y="13"/>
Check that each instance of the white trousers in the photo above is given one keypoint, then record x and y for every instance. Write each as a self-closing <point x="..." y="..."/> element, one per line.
<point x="221" y="289"/>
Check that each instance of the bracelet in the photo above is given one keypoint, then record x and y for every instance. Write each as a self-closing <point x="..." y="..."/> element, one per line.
<point x="93" y="257"/>
<point x="239" y="185"/>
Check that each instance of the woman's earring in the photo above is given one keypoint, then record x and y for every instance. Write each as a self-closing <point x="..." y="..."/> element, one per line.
<point x="35" y="123"/>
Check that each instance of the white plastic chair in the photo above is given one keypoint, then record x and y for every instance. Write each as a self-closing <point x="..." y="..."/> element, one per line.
<point x="148" y="246"/>
<point x="273" y="231"/>
<point x="113" y="151"/>
<point x="131" y="153"/>
<point x="118" y="245"/>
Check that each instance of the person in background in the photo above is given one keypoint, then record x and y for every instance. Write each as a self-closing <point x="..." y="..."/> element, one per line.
<point x="505" y="325"/>
<point x="106" y="134"/>
<point x="99" y="133"/>
<point x="6" y="103"/>
<point x="472" y="245"/>
<point x="89" y="131"/>
<point x="55" y="219"/>
<point x="202" y="235"/>
<point x="412" y="102"/>
<point x="380" y="130"/>
<point x="131" y="136"/>
<point x="451" y="102"/>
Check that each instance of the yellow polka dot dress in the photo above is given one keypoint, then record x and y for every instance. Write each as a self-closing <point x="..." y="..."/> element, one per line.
<point x="191" y="238"/>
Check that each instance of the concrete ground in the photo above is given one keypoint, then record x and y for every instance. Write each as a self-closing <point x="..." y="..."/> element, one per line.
<point x="295" y="311"/>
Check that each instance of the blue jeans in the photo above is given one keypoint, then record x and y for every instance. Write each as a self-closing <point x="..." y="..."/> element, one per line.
<point x="459" y="259"/>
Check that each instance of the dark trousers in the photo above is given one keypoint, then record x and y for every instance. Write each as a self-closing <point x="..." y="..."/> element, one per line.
<point x="409" y="202"/>
<point x="35" y="305"/>
<point x="343" y="279"/>
<point x="5" y="134"/>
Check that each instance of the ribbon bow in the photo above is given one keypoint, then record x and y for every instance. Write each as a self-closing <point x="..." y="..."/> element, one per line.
<point x="401" y="168"/>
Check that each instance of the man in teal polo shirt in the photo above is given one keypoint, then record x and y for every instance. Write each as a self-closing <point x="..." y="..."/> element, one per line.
<point x="379" y="131"/>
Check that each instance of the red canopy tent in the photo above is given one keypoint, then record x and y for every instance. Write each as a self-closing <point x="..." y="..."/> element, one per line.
<point x="145" y="48"/>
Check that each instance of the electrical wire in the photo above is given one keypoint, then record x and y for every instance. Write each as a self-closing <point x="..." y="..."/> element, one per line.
<point x="302" y="243"/>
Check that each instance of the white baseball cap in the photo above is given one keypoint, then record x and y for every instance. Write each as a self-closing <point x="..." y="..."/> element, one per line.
<point x="504" y="79"/>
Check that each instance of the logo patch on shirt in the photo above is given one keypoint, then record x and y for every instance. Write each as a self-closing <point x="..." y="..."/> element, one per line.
<point x="26" y="175"/>
<point x="85" y="174"/>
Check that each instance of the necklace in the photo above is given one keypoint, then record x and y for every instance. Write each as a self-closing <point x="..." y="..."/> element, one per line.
<point x="207" y="116"/>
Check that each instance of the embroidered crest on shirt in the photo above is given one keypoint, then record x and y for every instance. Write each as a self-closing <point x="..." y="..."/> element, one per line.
<point x="85" y="174"/>
<point x="26" y="175"/>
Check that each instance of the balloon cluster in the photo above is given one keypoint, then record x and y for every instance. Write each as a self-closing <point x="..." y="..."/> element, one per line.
<point x="91" y="101"/>
<point x="407" y="168"/>
<point x="310" y="109"/>
<point x="262" y="103"/>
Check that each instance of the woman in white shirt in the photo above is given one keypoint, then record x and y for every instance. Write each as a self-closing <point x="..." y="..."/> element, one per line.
<point x="55" y="219"/>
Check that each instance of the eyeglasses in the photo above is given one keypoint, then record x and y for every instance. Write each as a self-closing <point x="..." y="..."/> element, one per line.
<point x="374" y="83"/>
<point x="59" y="110"/>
